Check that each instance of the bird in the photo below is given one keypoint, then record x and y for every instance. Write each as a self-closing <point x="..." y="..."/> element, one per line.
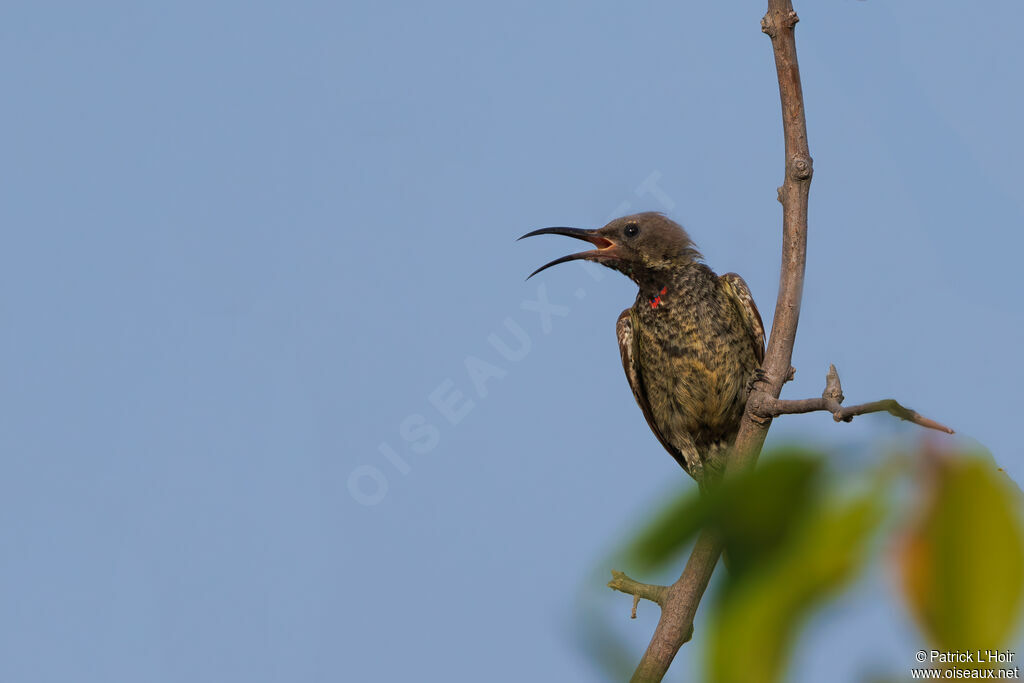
<point x="692" y="343"/>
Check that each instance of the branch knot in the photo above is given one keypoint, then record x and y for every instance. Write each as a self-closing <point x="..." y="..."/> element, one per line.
<point x="776" y="19"/>
<point x="801" y="167"/>
<point x="759" y="407"/>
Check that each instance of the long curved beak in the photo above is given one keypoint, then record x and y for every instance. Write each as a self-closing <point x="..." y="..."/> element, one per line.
<point x="605" y="247"/>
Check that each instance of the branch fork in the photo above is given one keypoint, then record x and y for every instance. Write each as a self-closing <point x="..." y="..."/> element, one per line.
<point x="766" y="406"/>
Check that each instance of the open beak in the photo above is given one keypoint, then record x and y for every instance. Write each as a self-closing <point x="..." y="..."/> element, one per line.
<point x="605" y="247"/>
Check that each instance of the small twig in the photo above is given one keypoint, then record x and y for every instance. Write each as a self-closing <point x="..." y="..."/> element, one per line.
<point x="766" y="406"/>
<point x="638" y="590"/>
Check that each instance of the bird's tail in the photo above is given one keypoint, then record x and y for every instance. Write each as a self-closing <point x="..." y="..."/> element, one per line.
<point x="713" y="459"/>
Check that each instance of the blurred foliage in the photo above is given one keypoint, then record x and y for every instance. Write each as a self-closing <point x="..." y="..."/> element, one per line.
<point x="796" y="534"/>
<point x="757" y="615"/>
<point x="754" y="511"/>
<point x="961" y="557"/>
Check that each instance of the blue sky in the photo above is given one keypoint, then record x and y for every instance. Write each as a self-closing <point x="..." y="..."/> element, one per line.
<point x="247" y="243"/>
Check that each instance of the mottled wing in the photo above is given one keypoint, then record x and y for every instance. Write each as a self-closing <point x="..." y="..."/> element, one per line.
<point x="627" y="348"/>
<point x="738" y="291"/>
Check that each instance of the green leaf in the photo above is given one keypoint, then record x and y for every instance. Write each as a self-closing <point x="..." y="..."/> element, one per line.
<point x="757" y="619"/>
<point x="758" y="511"/>
<point x="962" y="556"/>
<point x="755" y="511"/>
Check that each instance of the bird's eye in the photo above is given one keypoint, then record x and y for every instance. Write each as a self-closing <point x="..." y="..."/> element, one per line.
<point x="631" y="230"/>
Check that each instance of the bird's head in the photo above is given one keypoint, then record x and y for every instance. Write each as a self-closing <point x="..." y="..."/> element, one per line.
<point x="643" y="246"/>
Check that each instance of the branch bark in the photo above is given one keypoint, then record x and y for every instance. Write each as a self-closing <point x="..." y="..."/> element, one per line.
<point x="683" y="596"/>
<point x="766" y="407"/>
<point x="679" y="601"/>
<point x="638" y="590"/>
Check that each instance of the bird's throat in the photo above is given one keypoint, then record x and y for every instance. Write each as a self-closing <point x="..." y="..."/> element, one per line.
<point x="656" y="300"/>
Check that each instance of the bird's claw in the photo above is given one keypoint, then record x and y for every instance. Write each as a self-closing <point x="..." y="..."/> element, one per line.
<point x="758" y="376"/>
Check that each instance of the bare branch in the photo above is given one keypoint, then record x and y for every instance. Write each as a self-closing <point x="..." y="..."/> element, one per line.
<point x="646" y="591"/>
<point x="765" y="406"/>
<point x="675" y="626"/>
<point x="680" y="600"/>
<point x="890" y="406"/>
<point x="676" y="622"/>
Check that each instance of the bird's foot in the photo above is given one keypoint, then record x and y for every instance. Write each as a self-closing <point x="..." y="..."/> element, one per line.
<point x="758" y="376"/>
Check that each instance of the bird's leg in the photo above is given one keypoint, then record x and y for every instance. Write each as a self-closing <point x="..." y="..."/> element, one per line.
<point x="758" y="375"/>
